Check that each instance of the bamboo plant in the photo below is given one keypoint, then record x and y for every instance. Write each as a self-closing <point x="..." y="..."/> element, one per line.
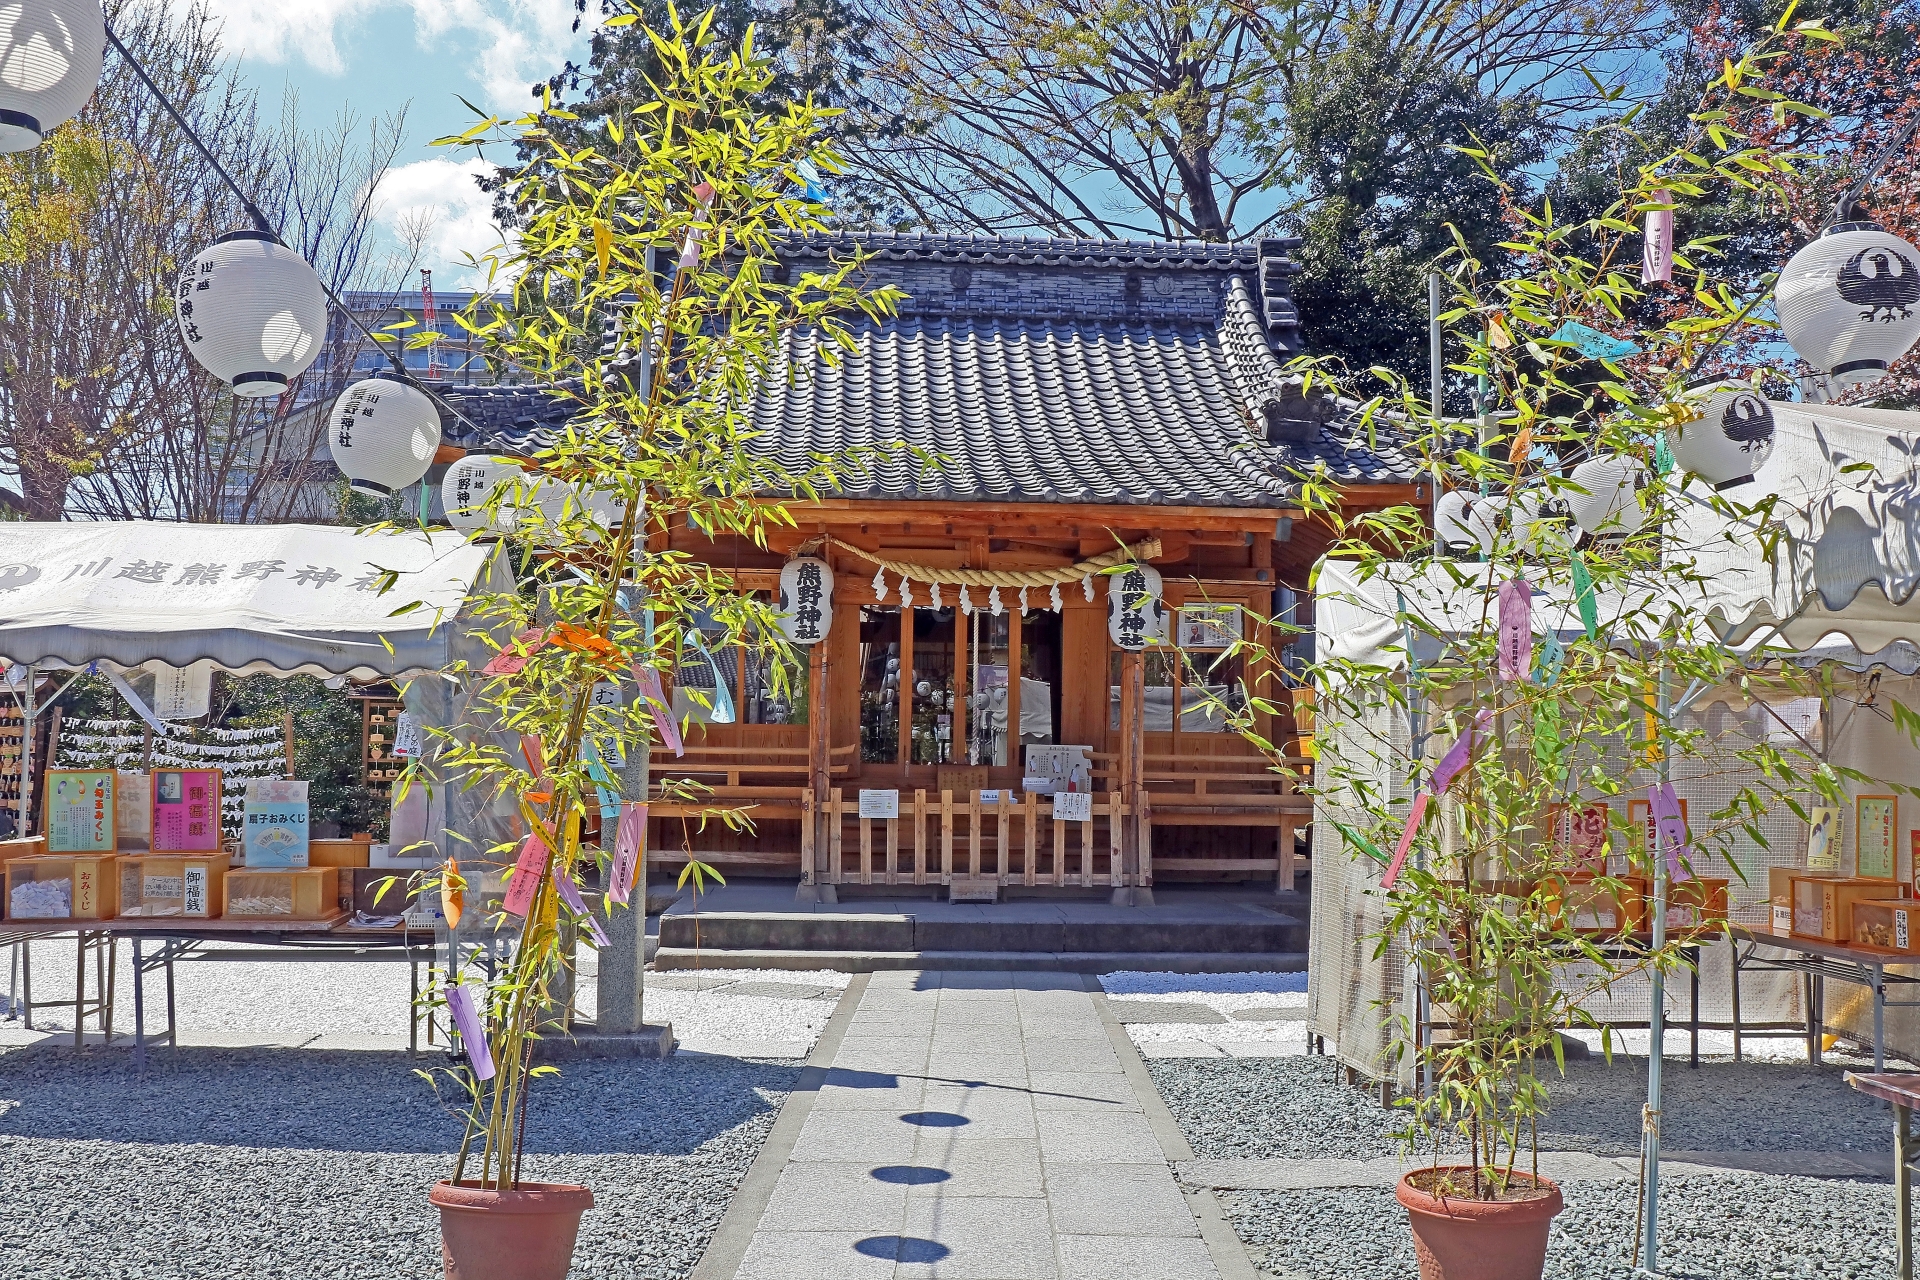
<point x="1459" y="768"/>
<point x="643" y="287"/>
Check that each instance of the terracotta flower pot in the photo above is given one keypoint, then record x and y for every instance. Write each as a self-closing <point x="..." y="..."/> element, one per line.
<point x="1463" y="1239"/>
<point x="526" y="1234"/>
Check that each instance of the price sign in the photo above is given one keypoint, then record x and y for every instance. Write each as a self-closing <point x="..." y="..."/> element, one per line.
<point x="1073" y="806"/>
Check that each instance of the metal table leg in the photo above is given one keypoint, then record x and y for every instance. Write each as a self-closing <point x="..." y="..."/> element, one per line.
<point x="413" y="1009"/>
<point x="1735" y="945"/>
<point x="139" y="1011"/>
<point x="26" y="982"/>
<point x="1693" y="1010"/>
<point x="1819" y="1017"/>
<point x="1903" y="1186"/>
<point x="79" y="988"/>
<point x="1879" y="1017"/>
<point x="173" y="1029"/>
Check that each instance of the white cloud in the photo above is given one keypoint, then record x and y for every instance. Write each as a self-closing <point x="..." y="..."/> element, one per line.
<point x="506" y="44"/>
<point x="458" y="216"/>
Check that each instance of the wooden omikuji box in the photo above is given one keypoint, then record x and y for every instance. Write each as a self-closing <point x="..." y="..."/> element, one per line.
<point x="1887" y="924"/>
<point x="188" y="885"/>
<point x="90" y="879"/>
<point x="338" y="853"/>
<point x="272" y="893"/>
<point x="1823" y="905"/>
<point x="1591" y="907"/>
<point x="1699" y="903"/>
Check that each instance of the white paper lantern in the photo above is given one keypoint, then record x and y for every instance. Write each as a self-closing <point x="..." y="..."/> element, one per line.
<point x="383" y="434"/>
<point x="1732" y="439"/>
<point x="559" y="501"/>
<point x="1483" y="521"/>
<point x="50" y="55"/>
<point x="1540" y="524"/>
<point x="253" y="313"/>
<point x="1451" y="533"/>
<point x="1610" y="507"/>
<point x="1850" y="301"/>
<point x="806" y="599"/>
<point x="1135" y="616"/>
<point x="469" y="484"/>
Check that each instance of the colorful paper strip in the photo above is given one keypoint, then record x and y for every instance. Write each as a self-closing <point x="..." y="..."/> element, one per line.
<point x="511" y="659"/>
<point x="1583" y="597"/>
<point x="570" y="894"/>
<point x="1656" y="252"/>
<point x="650" y="689"/>
<point x="626" y="850"/>
<point x="526" y="876"/>
<point x="1516" y="629"/>
<point x="1459" y="753"/>
<point x="466" y="1020"/>
<point x="1414" y="815"/>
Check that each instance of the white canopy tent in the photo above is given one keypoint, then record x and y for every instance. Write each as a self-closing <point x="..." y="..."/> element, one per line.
<point x="281" y="598"/>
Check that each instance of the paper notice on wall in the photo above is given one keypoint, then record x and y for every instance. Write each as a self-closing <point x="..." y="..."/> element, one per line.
<point x="409" y="743"/>
<point x="1823" y="838"/>
<point x="181" y="693"/>
<point x="1073" y="806"/>
<point x="879" y="803"/>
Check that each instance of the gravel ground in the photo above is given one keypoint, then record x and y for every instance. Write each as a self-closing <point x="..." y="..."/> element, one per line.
<point x="296" y="1165"/>
<point x="1733" y="1225"/>
<point x="1730" y="1226"/>
<point x="1295" y="1108"/>
<point x="1230" y="995"/>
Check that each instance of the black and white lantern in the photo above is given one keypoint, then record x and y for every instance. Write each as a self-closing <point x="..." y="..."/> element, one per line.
<point x="1732" y="439"/>
<point x="50" y="55"/>
<point x="1452" y="535"/>
<point x="558" y="502"/>
<point x="806" y="599"/>
<point x="253" y="312"/>
<point x="1610" y="505"/>
<point x="1483" y="520"/>
<point x="1850" y="301"/>
<point x="1135" y="616"/>
<point x="469" y="484"/>
<point x="1540" y="524"/>
<point x="383" y="434"/>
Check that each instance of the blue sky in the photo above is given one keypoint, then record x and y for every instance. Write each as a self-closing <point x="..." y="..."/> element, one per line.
<point x="376" y="56"/>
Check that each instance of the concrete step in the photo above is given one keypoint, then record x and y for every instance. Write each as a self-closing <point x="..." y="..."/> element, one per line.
<point x="1043" y="933"/>
<point x="845" y="961"/>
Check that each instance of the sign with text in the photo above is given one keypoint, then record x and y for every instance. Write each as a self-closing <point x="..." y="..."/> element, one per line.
<point x="186" y="810"/>
<point x="1073" y="806"/>
<point x="1875" y="819"/>
<point x="879" y="803"/>
<point x="80" y="811"/>
<point x="276" y="823"/>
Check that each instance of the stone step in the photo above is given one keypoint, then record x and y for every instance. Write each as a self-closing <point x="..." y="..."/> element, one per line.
<point x="857" y="961"/>
<point x="1143" y="932"/>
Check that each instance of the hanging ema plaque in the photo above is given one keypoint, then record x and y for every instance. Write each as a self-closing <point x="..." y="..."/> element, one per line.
<point x="806" y="599"/>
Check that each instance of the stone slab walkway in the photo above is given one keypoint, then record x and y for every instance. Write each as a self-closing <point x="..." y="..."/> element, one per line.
<point x="981" y="1126"/>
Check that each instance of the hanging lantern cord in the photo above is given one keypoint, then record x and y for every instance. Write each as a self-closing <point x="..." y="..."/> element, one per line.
<point x="1843" y="208"/>
<point x="260" y="223"/>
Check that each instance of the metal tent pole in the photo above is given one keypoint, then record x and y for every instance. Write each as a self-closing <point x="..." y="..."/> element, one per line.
<point x="1656" y="1020"/>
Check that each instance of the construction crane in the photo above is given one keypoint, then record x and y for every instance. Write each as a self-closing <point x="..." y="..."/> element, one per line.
<point x="431" y="317"/>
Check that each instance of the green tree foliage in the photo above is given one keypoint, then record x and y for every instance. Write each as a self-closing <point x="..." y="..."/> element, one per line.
<point x="326" y="744"/>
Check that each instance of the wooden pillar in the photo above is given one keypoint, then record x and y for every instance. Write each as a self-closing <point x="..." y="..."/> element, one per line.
<point x="957" y="748"/>
<point x="904" y="712"/>
<point x="1013" y="682"/>
<point x="1133" y="673"/>
<point x="819" y="763"/>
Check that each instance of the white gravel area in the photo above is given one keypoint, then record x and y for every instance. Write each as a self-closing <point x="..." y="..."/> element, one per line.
<point x="713" y="1010"/>
<point x="1228" y="994"/>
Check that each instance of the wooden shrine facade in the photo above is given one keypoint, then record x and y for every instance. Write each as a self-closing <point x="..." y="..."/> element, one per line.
<point x="1035" y="406"/>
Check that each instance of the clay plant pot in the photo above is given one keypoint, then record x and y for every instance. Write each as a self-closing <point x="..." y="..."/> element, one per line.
<point x="1464" y="1239"/>
<point x="526" y="1234"/>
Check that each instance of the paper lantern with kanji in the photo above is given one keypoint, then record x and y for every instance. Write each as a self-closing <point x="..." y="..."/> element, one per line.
<point x="1610" y="505"/>
<point x="806" y="599"/>
<point x="253" y="312"/>
<point x="1732" y="439"/>
<point x="1850" y="301"/>
<point x="559" y="502"/>
<point x="1483" y="521"/>
<point x="469" y="483"/>
<point x="1135" y="615"/>
<point x="383" y="434"/>
<point x="50" y="55"/>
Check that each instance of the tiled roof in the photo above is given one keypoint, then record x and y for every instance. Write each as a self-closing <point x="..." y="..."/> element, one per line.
<point x="1046" y="371"/>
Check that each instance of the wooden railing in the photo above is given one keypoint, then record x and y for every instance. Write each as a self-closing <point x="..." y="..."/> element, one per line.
<point x="942" y="835"/>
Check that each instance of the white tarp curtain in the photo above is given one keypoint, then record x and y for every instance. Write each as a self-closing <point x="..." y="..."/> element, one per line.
<point x="1356" y="616"/>
<point x="1851" y="561"/>
<point x="285" y="598"/>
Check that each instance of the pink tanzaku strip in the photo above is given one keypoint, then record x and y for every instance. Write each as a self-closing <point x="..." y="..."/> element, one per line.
<point x="650" y="689"/>
<point x="1414" y="815"/>
<point x="626" y="850"/>
<point x="570" y="894"/>
<point x="1516" y="629"/>
<point x="526" y="876"/>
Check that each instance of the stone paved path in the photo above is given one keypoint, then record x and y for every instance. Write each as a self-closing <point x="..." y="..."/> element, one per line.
<point x="977" y="1126"/>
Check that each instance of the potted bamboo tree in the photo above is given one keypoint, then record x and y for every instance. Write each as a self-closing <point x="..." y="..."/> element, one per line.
<point x="1506" y="768"/>
<point x="662" y="234"/>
